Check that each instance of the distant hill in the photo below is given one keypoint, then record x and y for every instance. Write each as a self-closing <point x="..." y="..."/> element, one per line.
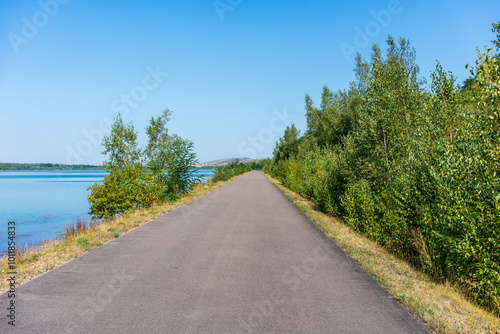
<point x="222" y="162"/>
<point x="50" y="166"/>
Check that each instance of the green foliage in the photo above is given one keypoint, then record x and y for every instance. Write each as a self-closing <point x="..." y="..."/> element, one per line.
<point x="288" y="145"/>
<point x="414" y="168"/>
<point x="180" y="167"/>
<point x="496" y="29"/>
<point x="117" y="192"/>
<point x="329" y="124"/>
<point x="114" y="195"/>
<point x="84" y="243"/>
<point x="360" y="207"/>
<point x="169" y="163"/>
<point x="121" y="146"/>
<point x="225" y="172"/>
<point x="170" y="160"/>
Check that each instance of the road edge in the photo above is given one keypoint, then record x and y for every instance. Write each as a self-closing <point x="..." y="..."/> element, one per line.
<point x="441" y="309"/>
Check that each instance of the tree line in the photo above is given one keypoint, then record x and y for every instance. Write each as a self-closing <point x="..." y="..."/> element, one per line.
<point x="413" y="166"/>
<point x="45" y="166"/>
<point x="227" y="171"/>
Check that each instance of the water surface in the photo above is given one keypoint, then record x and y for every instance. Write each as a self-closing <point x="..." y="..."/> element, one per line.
<point x="43" y="203"/>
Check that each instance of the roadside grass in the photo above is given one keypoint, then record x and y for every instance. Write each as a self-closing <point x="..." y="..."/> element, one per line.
<point x="82" y="237"/>
<point x="439" y="306"/>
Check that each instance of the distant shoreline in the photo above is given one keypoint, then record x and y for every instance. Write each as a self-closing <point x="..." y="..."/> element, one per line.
<point x="6" y="166"/>
<point x="17" y="166"/>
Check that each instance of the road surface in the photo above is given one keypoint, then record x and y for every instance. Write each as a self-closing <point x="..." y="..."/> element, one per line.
<point x="242" y="259"/>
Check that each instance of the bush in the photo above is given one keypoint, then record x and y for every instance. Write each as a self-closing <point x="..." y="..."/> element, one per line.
<point x="225" y="172"/>
<point x="129" y="185"/>
<point x="360" y="208"/>
<point x="416" y="169"/>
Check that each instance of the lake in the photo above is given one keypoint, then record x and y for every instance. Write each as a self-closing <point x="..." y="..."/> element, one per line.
<point x="42" y="203"/>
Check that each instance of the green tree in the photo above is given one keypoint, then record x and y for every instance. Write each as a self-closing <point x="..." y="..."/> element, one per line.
<point x="169" y="165"/>
<point x="170" y="158"/>
<point x="334" y="120"/>
<point x="496" y="30"/>
<point x="181" y="165"/>
<point x="121" y="146"/>
<point x="116" y="193"/>
<point x="159" y="141"/>
<point x="416" y="169"/>
<point x="288" y="145"/>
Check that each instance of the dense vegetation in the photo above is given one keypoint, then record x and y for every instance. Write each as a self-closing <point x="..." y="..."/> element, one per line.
<point x="45" y="166"/>
<point x="225" y="172"/>
<point x="413" y="166"/>
<point x="140" y="177"/>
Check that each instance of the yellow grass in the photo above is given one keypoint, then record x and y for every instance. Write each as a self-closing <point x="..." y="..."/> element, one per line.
<point x="34" y="262"/>
<point x="439" y="306"/>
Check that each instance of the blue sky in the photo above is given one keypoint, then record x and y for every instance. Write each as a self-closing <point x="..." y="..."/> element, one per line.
<point x="234" y="72"/>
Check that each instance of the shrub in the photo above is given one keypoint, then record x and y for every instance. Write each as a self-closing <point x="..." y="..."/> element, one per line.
<point x="130" y="185"/>
<point x="415" y="168"/>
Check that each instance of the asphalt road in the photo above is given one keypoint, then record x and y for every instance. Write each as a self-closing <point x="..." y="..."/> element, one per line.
<point x="242" y="259"/>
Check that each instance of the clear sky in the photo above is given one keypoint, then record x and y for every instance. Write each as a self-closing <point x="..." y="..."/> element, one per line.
<point x="234" y="72"/>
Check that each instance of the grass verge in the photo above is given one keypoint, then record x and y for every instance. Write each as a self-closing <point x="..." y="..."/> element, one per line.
<point x="439" y="306"/>
<point x="81" y="238"/>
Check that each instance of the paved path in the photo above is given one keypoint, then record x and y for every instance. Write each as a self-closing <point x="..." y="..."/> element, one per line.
<point x="242" y="259"/>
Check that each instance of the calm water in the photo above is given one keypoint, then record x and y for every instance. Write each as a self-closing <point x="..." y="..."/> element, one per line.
<point x="42" y="203"/>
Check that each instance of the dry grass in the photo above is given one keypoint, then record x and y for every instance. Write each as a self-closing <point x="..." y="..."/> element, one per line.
<point x="79" y="227"/>
<point x="83" y="237"/>
<point x="439" y="306"/>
